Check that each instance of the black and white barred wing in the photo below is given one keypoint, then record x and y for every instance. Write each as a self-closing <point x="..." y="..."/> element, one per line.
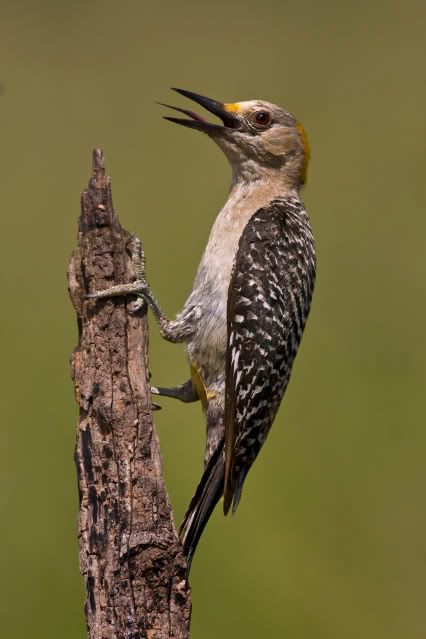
<point x="268" y="304"/>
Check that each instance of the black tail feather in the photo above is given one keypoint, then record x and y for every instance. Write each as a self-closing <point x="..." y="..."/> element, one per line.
<point x="208" y="493"/>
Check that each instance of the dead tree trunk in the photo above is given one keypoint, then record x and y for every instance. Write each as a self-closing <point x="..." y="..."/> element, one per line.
<point x="130" y="554"/>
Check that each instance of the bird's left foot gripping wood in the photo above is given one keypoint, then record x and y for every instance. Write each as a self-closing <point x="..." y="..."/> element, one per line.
<point x="139" y="287"/>
<point x="130" y="554"/>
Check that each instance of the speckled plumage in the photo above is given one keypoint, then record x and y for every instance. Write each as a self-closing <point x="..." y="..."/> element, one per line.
<point x="268" y="304"/>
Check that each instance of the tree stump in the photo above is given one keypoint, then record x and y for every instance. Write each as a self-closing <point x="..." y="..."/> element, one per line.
<point x="130" y="553"/>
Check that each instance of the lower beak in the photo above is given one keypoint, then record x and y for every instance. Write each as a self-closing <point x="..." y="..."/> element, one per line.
<point x="230" y="120"/>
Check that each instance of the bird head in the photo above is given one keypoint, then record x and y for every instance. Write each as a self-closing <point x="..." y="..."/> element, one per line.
<point x="258" y="138"/>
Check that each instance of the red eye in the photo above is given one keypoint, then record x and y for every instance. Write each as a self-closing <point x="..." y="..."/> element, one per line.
<point x="263" y="118"/>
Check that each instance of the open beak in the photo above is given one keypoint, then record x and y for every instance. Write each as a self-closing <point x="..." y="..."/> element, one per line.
<point x="230" y="120"/>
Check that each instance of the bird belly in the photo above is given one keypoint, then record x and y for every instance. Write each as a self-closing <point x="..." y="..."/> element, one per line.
<point x="207" y="348"/>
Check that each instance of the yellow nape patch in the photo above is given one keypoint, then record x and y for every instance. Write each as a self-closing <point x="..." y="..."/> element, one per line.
<point x="233" y="107"/>
<point x="307" y="149"/>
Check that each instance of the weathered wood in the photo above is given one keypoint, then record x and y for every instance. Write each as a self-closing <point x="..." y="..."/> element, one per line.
<point x="130" y="554"/>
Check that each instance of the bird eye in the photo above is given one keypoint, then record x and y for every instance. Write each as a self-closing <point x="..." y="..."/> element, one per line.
<point x="263" y="118"/>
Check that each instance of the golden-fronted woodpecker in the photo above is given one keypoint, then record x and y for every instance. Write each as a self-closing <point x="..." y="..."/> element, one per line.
<point x="244" y="318"/>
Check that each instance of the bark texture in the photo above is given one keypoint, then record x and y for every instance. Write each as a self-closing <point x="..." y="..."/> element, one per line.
<point x="130" y="554"/>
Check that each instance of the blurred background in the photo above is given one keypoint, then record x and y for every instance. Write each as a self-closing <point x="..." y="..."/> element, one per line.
<point x="329" y="540"/>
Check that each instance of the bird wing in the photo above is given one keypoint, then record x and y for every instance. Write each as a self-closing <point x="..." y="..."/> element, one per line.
<point x="268" y="303"/>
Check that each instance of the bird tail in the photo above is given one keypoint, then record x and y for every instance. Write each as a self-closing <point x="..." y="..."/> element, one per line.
<point x="208" y="493"/>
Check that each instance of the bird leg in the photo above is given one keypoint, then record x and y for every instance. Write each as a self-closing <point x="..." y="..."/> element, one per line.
<point x="169" y="329"/>
<point x="185" y="392"/>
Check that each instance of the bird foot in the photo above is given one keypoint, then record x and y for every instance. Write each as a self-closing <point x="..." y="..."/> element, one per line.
<point x="185" y="392"/>
<point x="139" y="287"/>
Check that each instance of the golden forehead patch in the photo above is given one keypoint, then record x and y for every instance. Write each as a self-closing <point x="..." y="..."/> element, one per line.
<point x="233" y="107"/>
<point x="307" y="149"/>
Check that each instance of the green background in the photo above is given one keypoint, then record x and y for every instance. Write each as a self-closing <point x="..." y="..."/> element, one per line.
<point x="329" y="540"/>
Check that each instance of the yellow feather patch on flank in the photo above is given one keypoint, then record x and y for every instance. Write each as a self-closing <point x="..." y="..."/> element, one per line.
<point x="307" y="149"/>
<point x="233" y="107"/>
<point x="203" y="393"/>
<point x="196" y="380"/>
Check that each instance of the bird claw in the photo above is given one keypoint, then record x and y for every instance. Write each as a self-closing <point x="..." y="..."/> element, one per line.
<point x="139" y="288"/>
<point x="139" y="304"/>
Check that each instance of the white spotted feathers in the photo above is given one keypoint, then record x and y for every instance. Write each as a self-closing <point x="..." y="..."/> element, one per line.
<point x="268" y="304"/>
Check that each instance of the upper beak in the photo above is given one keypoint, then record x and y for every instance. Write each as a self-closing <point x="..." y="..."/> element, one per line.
<point x="230" y="120"/>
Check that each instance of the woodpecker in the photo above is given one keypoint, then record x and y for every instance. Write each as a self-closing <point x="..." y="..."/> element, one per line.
<point x="244" y="318"/>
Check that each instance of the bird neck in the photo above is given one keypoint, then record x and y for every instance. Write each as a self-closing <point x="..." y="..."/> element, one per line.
<point x="264" y="184"/>
<point x="281" y="180"/>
